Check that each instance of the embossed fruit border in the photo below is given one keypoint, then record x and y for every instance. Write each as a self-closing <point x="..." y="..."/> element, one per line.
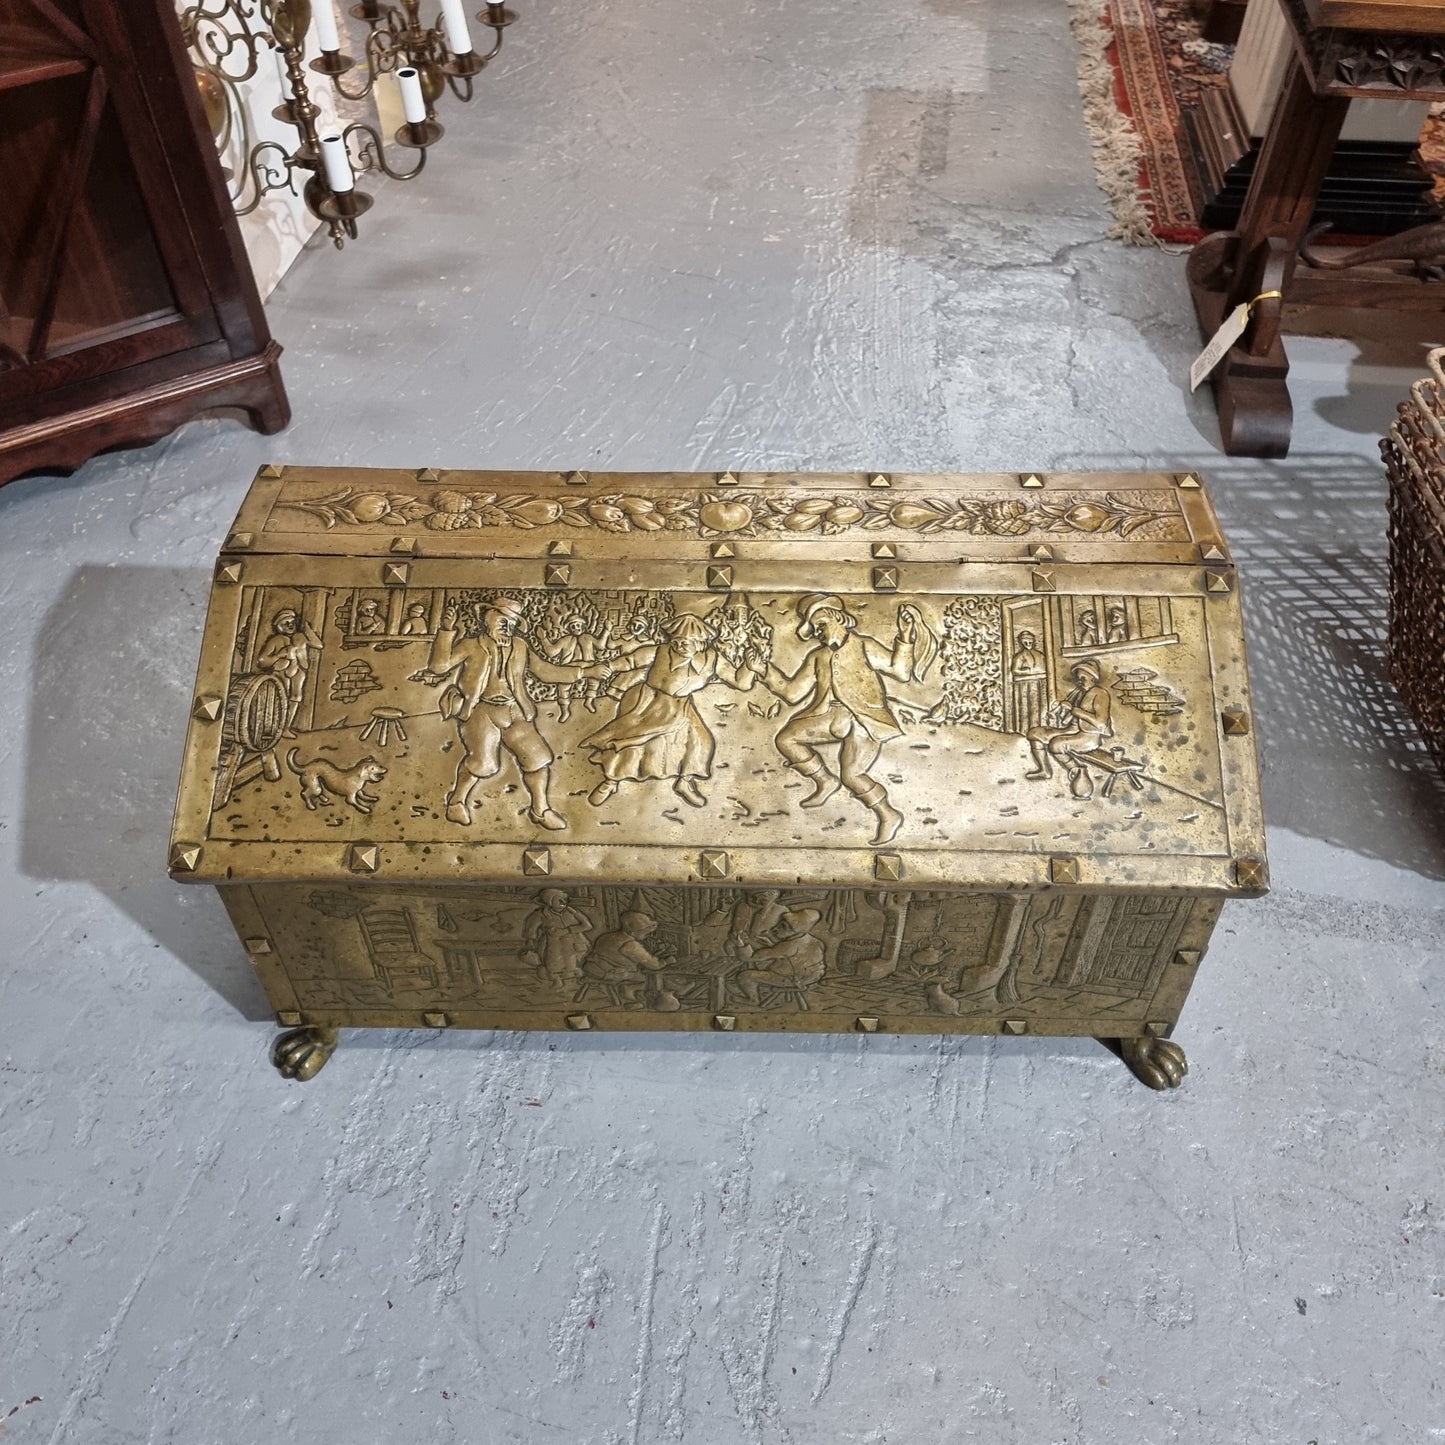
<point x="745" y="514"/>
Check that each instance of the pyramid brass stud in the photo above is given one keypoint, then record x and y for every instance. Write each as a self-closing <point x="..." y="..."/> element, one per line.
<point x="436" y="1020"/>
<point x="1218" y="582"/>
<point x="1063" y="870"/>
<point x="288" y="1018"/>
<point x="713" y="863"/>
<point x="725" y="1023"/>
<point x="1158" y="1028"/>
<point x="559" y="548"/>
<point x="228" y="574"/>
<point x="1187" y="957"/>
<point x="720" y="578"/>
<point x="722" y="549"/>
<point x="1043" y="579"/>
<point x="257" y="945"/>
<point x="395" y="574"/>
<point x="364" y="858"/>
<point x="239" y="541"/>
<point x="1015" y="1026"/>
<point x="866" y="1024"/>
<point x="726" y="479"/>
<point x="888" y="867"/>
<point x="579" y="1023"/>
<point x="880" y="480"/>
<point x="1030" y="479"/>
<point x="185" y="857"/>
<point x="884" y="549"/>
<point x="885" y="579"/>
<point x="403" y="546"/>
<point x="1187" y="481"/>
<point x="578" y="479"/>
<point x="1212" y="552"/>
<point x="1235" y="721"/>
<point x="428" y="474"/>
<point x="536" y="862"/>
<point x="557" y="574"/>
<point x="207" y="709"/>
<point x="1249" y="873"/>
<point x="270" y="471"/>
<point x="1042" y="553"/>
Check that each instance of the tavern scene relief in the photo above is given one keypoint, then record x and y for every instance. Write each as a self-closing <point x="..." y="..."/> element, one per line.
<point x="654" y="718"/>
<point x="724" y="950"/>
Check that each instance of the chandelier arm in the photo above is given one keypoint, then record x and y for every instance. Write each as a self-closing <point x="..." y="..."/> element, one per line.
<point x="371" y="152"/>
<point x="381" y="51"/>
<point x="496" y="49"/>
<point x="217" y="31"/>
<point x="267" y="177"/>
<point x="460" y="86"/>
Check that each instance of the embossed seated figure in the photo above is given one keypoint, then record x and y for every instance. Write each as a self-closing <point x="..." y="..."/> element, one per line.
<point x="795" y="960"/>
<point x="1088" y="709"/>
<point x="416" y="622"/>
<point x="620" y="959"/>
<point x="368" y="620"/>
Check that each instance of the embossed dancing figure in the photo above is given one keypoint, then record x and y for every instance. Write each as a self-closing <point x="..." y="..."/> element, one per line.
<point x="840" y="686"/>
<point x="488" y="699"/>
<point x="658" y="731"/>
<point x="1088" y="722"/>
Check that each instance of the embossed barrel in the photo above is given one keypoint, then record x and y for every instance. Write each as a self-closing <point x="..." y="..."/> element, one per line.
<point x="855" y="752"/>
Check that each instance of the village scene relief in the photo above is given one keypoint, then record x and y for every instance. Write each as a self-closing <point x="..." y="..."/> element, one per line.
<point x="629" y="953"/>
<point x="790" y="721"/>
<point x="1037" y="723"/>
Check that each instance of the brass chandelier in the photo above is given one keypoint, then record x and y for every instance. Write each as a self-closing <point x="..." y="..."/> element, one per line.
<point x="227" y="40"/>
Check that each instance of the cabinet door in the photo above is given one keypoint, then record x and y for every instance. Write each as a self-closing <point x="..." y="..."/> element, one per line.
<point x="97" y="267"/>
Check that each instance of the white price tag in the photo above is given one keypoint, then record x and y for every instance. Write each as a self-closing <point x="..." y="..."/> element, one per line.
<point x="1229" y="332"/>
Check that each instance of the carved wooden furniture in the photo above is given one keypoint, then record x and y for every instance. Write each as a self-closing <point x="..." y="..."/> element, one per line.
<point x="739" y="752"/>
<point x="1396" y="51"/>
<point x="1414" y="454"/>
<point x="126" y="302"/>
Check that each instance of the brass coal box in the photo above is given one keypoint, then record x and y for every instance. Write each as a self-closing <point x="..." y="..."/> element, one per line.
<point x="768" y="752"/>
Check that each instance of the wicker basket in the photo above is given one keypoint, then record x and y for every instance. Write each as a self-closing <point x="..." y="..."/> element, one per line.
<point x="1414" y="455"/>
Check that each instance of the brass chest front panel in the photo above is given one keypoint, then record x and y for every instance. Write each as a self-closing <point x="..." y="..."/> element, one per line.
<point x="720" y="957"/>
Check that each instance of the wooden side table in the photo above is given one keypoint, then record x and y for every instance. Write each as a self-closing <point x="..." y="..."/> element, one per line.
<point x="1343" y="50"/>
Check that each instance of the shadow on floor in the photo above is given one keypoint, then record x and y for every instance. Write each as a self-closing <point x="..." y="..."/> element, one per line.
<point x="110" y="702"/>
<point x="1340" y="757"/>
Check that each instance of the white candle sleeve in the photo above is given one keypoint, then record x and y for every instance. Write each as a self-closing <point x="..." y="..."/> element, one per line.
<point x="286" y="92"/>
<point x="412" y="103"/>
<point x="325" y="17"/>
<point x="454" y="19"/>
<point x="337" y="163"/>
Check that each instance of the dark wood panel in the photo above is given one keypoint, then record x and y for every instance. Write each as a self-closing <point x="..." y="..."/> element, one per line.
<point x="127" y="303"/>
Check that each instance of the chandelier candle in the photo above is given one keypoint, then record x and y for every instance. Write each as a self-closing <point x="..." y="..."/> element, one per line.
<point x="413" y="104"/>
<point x="337" y="163"/>
<point x="327" y="38"/>
<point x="459" y="36"/>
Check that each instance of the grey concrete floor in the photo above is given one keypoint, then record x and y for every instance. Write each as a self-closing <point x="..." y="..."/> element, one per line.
<point x="679" y="234"/>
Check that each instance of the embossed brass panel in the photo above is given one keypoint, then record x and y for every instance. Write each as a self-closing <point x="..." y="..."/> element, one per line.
<point x="797" y="789"/>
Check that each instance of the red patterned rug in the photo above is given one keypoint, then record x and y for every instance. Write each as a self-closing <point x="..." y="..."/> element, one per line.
<point x="1140" y="63"/>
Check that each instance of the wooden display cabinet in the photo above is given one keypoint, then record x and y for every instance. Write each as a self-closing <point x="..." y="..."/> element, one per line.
<point x="127" y="305"/>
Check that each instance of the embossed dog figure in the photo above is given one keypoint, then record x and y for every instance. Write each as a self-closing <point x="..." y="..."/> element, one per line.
<point x="321" y="780"/>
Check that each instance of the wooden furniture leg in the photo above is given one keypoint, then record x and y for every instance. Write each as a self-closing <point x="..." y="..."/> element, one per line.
<point x="1250" y="389"/>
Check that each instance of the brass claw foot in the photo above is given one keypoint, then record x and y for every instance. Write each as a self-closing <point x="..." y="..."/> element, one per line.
<point x="1160" y="1063"/>
<point x="301" y="1054"/>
